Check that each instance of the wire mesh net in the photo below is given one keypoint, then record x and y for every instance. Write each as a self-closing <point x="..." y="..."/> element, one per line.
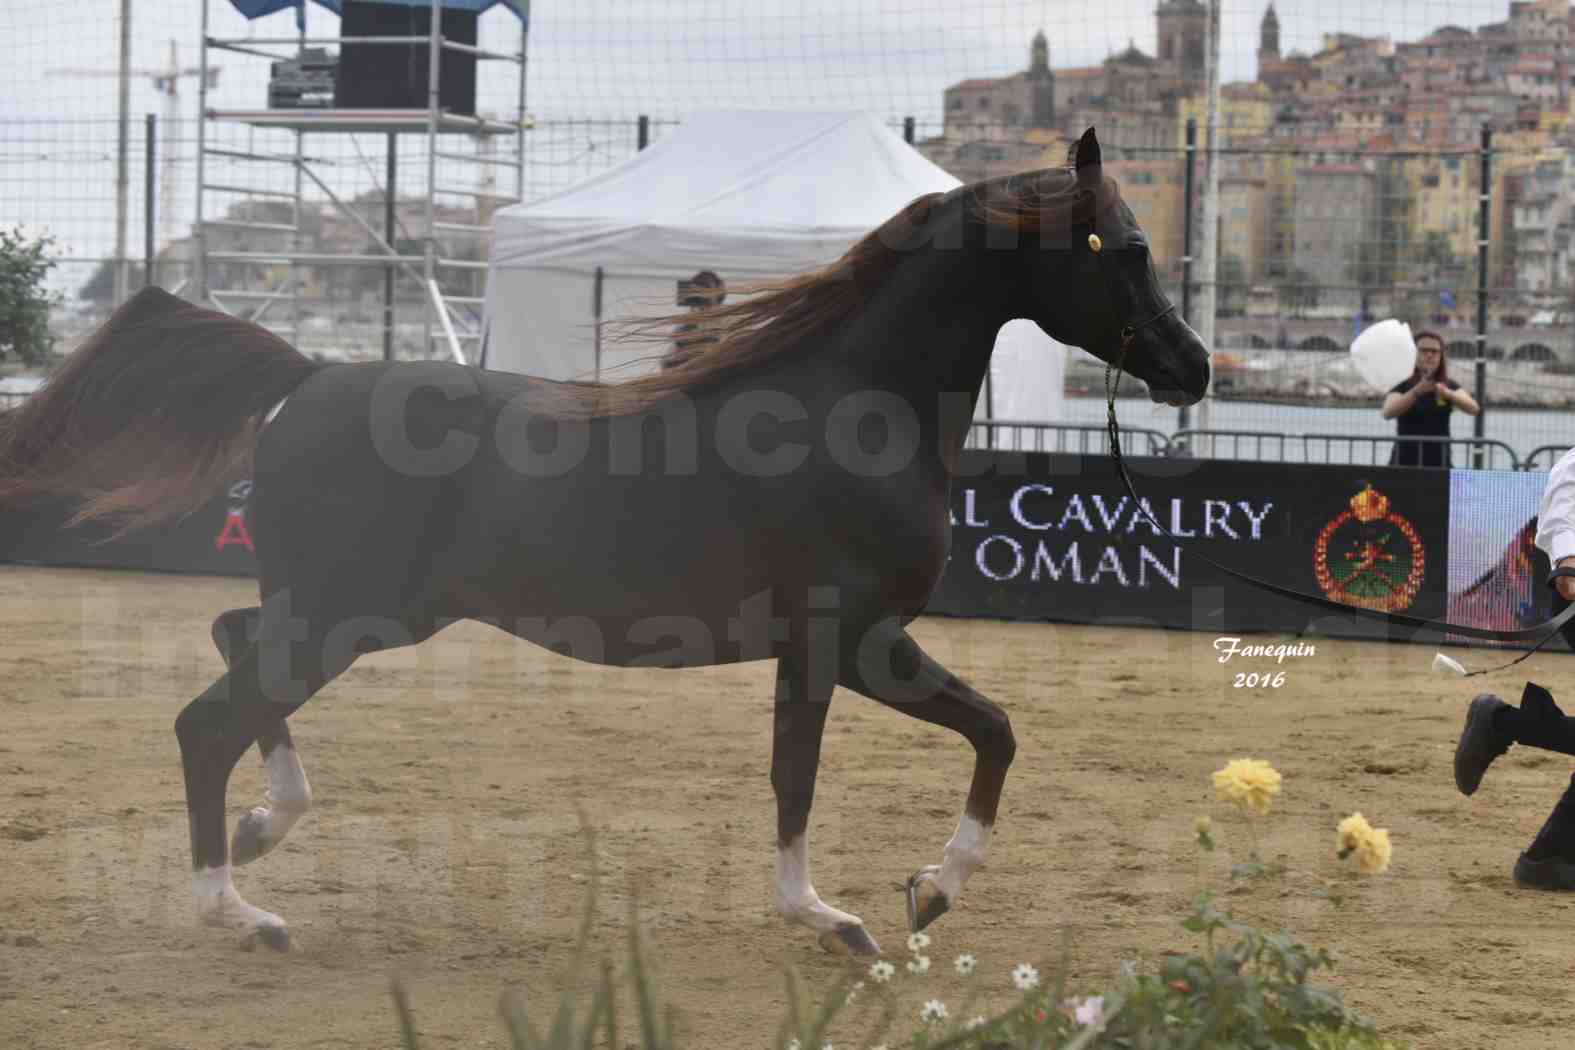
<point x="1350" y="164"/>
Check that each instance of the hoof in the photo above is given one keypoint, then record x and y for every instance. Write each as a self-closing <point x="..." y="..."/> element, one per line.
<point x="275" y="937"/>
<point x="1551" y="874"/>
<point x="250" y="840"/>
<point x="849" y="939"/>
<point x="926" y="902"/>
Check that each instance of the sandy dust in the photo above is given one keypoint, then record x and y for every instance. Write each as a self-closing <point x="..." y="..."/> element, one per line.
<point x="444" y="844"/>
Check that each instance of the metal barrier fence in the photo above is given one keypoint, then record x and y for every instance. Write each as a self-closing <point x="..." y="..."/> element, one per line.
<point x="1088" y="439"/>
<point x="1354" y="449"/>
<point x="1552" y="453"/>
<point x="1253" y="445"/>
<point x="1021" y="436"/>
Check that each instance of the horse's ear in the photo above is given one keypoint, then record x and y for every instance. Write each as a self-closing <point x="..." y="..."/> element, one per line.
<point x="1086" y="157"/>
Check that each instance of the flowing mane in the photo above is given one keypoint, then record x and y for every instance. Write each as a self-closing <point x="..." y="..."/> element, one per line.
<point x="774" y="318"/>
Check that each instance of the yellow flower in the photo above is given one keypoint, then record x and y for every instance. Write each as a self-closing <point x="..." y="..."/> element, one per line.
<point x="1203" y="825"/>
<point x="1249" y="782"/>
<point x="1370" y="845"/>
<point x="1350" y="832"/>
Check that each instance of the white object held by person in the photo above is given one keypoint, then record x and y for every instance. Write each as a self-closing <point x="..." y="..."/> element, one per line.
<point x="1384" y="354"/>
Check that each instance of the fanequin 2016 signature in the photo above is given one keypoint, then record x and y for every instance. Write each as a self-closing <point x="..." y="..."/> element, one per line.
<point x="1229" y="647"/>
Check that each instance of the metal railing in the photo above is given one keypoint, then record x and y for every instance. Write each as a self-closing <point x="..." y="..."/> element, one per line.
<point x="1008" y="435"/>
<point x="1206" y="444"/>
<point x="1481" y="453"/>
<point x="1349" y="449"/>
<point x="1082" y="438"/>
<point x="1552" y="453"/>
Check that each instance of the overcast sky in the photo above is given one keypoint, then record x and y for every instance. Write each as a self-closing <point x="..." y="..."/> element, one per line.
<point x="600" y="59"/>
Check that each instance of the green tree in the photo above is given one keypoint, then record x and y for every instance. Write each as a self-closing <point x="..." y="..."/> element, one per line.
<point x="24" y="304"/>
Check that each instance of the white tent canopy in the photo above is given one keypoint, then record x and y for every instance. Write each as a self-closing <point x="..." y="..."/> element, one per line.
<point x="747" y="194"/>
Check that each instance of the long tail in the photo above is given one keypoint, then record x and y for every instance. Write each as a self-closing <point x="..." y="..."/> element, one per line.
<point x="149" y="416"/>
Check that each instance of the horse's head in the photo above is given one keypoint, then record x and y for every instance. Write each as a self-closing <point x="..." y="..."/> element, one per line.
<point x="1091" y="283"/>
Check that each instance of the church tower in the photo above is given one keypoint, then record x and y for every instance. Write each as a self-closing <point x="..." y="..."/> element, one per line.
<point x="1182" y="25"/>
<point x="1041" y="82"/>
<point x="1268" y="40"/>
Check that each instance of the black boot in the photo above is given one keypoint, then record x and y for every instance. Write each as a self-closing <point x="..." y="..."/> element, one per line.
<point x="1481" y="741"/>
<point x="1549" y="862"/>
<point x="1492" y="726"/>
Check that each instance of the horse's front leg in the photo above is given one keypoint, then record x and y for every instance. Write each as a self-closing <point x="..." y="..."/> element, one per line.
<point x="799" y="720"/>
<point x="889" y="667"/>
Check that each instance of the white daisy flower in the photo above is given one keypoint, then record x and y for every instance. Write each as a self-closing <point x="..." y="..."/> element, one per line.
<point x="965" y="964"/>
<point x="917" y="942"/>
<point x="880" y="972"/>
<point x="1025" y="977"/>
<point x="934" y="1010"/>
<point x="1090" y="1011"/>
<point x="919" y="964"/>
<point x="974" y="1022"/>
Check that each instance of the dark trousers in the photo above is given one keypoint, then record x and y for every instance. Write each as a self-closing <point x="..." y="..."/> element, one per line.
<point x="1538" y="722"/>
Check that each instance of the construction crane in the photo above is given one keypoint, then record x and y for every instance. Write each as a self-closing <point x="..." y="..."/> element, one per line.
<point x="166" y="82"/>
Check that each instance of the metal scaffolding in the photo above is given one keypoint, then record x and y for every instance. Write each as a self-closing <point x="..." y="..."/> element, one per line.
<point x="437" y="124"/>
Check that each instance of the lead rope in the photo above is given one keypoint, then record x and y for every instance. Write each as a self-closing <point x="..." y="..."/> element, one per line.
<point x="1113" y="373"/>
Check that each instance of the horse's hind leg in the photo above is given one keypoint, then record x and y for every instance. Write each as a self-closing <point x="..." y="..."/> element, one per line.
<point x="286" y="795"/>
<point x="260" y="689"/>
<point x="891" y="669"/>
<point x="799" y="720"/>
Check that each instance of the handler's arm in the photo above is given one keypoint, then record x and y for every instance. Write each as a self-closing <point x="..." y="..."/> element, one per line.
<point x="1397" y="404"/>
<point x="1556" y="519"/>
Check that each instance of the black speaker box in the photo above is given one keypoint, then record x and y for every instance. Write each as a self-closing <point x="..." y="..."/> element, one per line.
<point x="394" y="76"/>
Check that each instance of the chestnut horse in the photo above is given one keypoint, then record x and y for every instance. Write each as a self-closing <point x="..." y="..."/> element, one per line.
<point x="783" y="495"/>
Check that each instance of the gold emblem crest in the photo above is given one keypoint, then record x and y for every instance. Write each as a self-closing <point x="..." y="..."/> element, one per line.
<point x="1370" y="556"/>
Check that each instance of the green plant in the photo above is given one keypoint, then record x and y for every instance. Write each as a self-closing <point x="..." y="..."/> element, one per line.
<point x="1244" y="989"/>
<point x="24" y="304"/>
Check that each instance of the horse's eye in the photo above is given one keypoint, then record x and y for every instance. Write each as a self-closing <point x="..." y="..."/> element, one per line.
<point x="1094" y="243"/>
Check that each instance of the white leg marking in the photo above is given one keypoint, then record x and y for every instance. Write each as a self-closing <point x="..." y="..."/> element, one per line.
<point x="288" y="795"/>
<point x="796" y="898"/>
<point x="964" y="855"/>
<point x="285" y="798"/>
<point x="219" y="905"/>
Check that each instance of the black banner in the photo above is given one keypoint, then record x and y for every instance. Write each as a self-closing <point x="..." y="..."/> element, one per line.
<point x="215" y="540"/>
<point x="1056" y="537"/>
<point x="1045" y="537"/>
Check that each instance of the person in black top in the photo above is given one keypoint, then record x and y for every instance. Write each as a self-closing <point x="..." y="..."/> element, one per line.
<point x="698" y="294"/>
<point x="1421" y="406"/>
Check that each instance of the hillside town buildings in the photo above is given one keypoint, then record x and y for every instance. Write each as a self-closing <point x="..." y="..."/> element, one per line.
<point x="1351" y="177"/>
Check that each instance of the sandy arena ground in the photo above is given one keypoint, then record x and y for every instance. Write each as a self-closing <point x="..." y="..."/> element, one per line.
<point x="444" y="844"/>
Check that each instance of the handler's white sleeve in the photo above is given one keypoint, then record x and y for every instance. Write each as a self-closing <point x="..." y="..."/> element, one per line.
<point x="1556" y="520"/>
